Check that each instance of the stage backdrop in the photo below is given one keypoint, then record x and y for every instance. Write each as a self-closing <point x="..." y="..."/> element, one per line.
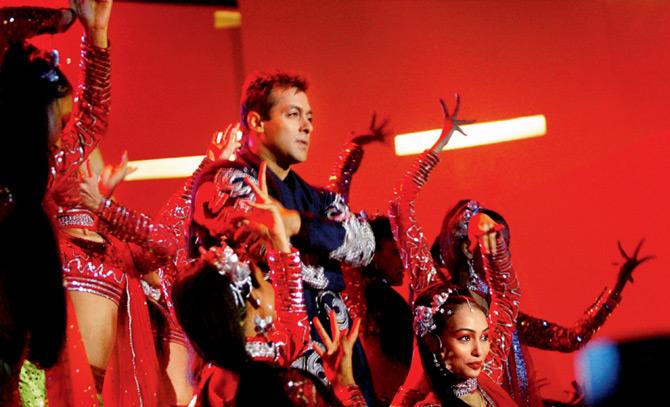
<point x="598" y="70"/>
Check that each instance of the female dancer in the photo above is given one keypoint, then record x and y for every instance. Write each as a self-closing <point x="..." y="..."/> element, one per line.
<point x="245" y="327"/>
<point x="93" y="265"/>
<point x="369" y="292"/>
<point x="452" y="249"/>
<point x="32" y="325"/>
<point x="453" y="335"/>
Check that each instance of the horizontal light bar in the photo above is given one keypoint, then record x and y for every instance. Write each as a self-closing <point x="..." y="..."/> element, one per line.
<point x="164" y="168"/>
<point x="477" y="134"/>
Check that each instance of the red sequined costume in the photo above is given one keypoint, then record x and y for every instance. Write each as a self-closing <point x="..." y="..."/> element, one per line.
<point x="417" y="259"/>
<point x="174" y="215"/>
<point x="519" y="379"/>
<point x="108" y="268"/>
<point x="285" y="341"/>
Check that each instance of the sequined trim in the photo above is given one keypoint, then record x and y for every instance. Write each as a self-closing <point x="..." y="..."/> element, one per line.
<point x="262" y="351"/>
<point x="358" y="247"/>
<point x="314" y="276"/>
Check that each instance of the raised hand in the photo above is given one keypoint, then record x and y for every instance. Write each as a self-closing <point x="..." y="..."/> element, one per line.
<point x="89" y="190"/>
<point x="376" y="132"/>
<point x="94" y="16"/>
<point x="482" y="232"/>
<point x="266" y="218"/>
<point x="630" y="264"/>
<point x="111" y="176"/>
<point x="451" y="124"/>
<point x="224" y="143"/>
<point x="338" y="350"/>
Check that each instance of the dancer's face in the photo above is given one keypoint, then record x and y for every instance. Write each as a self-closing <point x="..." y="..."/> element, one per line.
<point x="286" y="135"/>
<point x="465" y="342"/>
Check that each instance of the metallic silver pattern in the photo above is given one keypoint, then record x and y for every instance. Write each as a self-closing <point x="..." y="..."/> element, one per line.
<point x="260" y="350"/>
<point x="414" y="250"/>
<point x="358" y="247"/>
<point x="314" y="276"/>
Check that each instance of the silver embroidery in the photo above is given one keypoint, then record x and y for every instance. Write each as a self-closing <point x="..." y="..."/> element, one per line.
<point x="314" y="276"/>
<point x="358" y="247"/>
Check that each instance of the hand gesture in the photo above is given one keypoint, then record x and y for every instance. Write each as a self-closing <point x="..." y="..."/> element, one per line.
<point x="376" y="132"/>
<point x="94" y="16"/>
<point x="630" y="264"/>
<point x="111" y="176"/>
<point x="224" y="143"/>
<point x="339" y="350"/>
<point x="89" y="191"/>
<point x="482" y="232"/>
<point x="451" y="124"/>
<point x="264" y="220"/>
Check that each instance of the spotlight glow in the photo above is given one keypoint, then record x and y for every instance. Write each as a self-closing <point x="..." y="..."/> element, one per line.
<point x="164" y="168"/>
<point x="477" y="134"/>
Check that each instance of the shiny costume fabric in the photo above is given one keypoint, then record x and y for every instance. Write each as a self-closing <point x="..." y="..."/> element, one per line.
<point x="519" y="378"/>
<point x="106" y="269"/>
<point x="286" y="340"/>
<point x="417" y="259"/>
<point x="383" y="312"/>
<point x="329" y="234"/>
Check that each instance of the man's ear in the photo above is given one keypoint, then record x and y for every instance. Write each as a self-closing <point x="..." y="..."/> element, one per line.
<point x="255" y="122"/>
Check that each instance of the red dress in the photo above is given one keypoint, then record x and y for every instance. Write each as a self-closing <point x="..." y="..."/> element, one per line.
<point x="418" y="260"/>
<point x="109" y="268"/>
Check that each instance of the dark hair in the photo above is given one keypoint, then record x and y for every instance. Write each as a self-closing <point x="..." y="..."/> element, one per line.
<point x="381" y="228"/>
<point x="442" y="380"/>
<point x="32" y="285"/>
<point x="205" y="308"/>
<point x="447" y="249"/>
<point x="257" y="92"/>
<point x="207" y="312"/>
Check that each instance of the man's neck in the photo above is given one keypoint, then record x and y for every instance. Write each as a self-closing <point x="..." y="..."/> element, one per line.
<point x="266" y="155"/>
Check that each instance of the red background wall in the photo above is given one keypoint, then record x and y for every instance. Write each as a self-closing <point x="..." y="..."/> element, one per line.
<point x="598" y="70"/>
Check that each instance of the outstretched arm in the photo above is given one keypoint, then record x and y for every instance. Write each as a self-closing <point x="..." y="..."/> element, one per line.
<point x="414" y="250"/>
<point x="94" y="94"/>
<point x="543" y="334"/>
<point x="351" y="156"/>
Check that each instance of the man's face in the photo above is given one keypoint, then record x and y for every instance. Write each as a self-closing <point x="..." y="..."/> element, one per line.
<point x="286" y="135"/>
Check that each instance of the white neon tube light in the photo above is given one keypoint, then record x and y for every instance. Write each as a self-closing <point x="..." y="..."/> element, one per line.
<point x="477" y="134"/>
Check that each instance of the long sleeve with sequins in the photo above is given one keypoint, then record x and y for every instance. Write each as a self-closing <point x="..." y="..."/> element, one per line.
<point x="347" y="164"/>
<point x="543" y="334"/>
<point x="286" y="276"/>
<point x="155" y="243"/>
<point x="91" y="116"/>
<point x="414" y="250"/>
<point x="505" y="296"/>
<point x="289" y="336"/>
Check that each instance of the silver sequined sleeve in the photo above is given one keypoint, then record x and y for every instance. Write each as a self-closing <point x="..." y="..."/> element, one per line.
<point x="358" y="246"/>
<point x="414" y="250"/>
<point x="505" y="296"/>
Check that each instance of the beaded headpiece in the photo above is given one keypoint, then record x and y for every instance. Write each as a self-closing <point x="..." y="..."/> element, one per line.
<point x="471" y="209"/>
<point x="224" y="259"/>
<point x="424" y="321"/>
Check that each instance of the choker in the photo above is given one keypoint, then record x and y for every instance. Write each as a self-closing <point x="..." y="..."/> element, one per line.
<point x="464" y="388"/>
<point x="79" y="219"/>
